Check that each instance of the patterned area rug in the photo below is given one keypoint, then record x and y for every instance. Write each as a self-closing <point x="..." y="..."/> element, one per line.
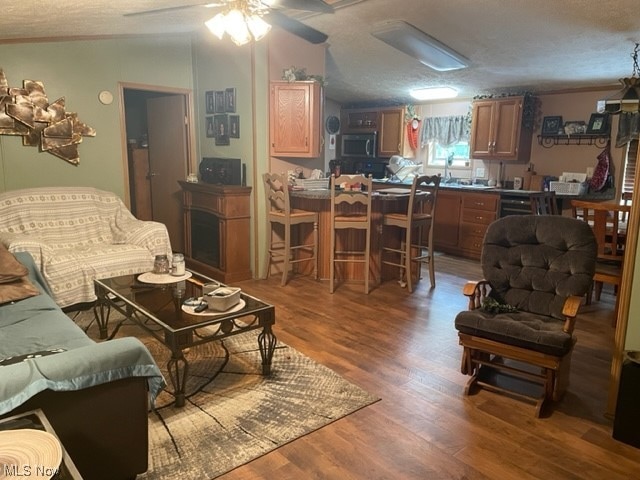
<point x="232" y="413"/>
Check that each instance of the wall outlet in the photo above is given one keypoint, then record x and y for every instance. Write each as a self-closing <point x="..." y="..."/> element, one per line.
<point x="480" y="172"/>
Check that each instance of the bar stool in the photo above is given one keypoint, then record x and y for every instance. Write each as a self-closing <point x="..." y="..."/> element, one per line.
<point x="419" y="216"/>
<point x="350" y="210"/>
<point x="279" y="212"/>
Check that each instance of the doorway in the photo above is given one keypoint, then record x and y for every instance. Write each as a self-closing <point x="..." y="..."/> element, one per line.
<point x="159" y="145"/>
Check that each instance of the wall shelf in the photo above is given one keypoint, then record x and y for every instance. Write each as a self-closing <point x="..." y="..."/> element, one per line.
<point x="548" y="141"/>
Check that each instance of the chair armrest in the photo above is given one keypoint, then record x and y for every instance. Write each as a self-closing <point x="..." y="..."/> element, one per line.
<point x="476" y="292"/>
<point x="20" y="242"/>
<point x="570" y="311"/>
<point x="153" y="236"/>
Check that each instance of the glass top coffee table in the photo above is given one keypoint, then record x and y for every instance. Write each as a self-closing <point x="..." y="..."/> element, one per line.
<point x="158" y="308"/>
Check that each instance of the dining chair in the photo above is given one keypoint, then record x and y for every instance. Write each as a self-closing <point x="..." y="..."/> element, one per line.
<point x="544" y="203"/>
<point x="350" y="225"/>
<point x="417" y="225"/>
<point x="282" y="220"/>
<point x="610" y="232"/>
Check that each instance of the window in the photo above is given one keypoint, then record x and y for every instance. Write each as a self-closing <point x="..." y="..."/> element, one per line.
<point x="439" y="154"/>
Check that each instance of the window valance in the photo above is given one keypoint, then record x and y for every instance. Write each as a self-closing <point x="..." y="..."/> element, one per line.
<point x="445" y="130"/>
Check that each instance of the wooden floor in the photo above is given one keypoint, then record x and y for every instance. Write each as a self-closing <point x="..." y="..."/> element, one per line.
<point x="403" y="347"/>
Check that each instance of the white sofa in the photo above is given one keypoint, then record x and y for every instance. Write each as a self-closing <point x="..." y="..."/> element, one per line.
<point x="78" y="234"/>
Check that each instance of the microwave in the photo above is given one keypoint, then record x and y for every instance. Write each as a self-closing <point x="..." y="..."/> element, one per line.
<point x="358" y="145"/>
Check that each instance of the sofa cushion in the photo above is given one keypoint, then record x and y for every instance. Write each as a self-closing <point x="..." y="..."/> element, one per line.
<point x="10" y="268"/>
<point x="14" y="284"/>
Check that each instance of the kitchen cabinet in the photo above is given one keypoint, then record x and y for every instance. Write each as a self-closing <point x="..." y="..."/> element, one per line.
<point x="295" y="119"/>
<point x="461" y="221"/>
<point x="447" y="222"/>
<point x="497" y="132"/>
<point x="388" y="122"/>
<point x="390" y="139"/>
<point x="478" y="211"/>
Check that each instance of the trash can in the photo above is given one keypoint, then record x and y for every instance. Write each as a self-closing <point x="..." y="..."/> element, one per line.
<point x="626" y="424"/>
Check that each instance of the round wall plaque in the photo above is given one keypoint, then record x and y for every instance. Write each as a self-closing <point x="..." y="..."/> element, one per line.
<point x="105" y="97"/>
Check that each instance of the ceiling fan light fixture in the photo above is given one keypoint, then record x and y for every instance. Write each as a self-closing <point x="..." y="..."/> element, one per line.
<point x="433" y="93"/>
<point x="216" y="25"/>
<point x="242" y="22"/>
<point x="258" y="27"/>
<point x="414" y="42"/>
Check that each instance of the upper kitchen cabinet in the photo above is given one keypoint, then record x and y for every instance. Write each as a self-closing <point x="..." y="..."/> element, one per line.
<point x="390" y="140"/>
<point x="497" y="130"/>
<point x="388" y="122"/>
<point x="295" y="119"/>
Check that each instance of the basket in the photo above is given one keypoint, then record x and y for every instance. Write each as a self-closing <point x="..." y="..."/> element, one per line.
<point x="222" y="299"/>
<point x="568" y="188"/>
<point x="315" y="184"/>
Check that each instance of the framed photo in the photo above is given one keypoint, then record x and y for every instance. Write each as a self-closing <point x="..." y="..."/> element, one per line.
<point x="230" y="100"/>
<point x="219" y="94"/>
<point x="211" y="131"/>
<point x="234" y="126"/>
<point x="221" y="128"/>
<point x="575" y="127"/>
<point x="552" y="125"/>
<point x="598" y="124"/>
<point x="210" y="102"/>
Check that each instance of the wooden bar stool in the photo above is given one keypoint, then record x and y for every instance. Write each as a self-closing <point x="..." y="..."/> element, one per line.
<point x="279" y="212"/>
<point x="544" y="203"/>
<point x="350" y="210"/>
<point x="417" y="219"/>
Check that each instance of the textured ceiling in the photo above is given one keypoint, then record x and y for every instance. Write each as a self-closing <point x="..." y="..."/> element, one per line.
<point x="513" y="45"/>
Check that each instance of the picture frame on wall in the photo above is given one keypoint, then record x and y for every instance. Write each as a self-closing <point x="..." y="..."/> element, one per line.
<point x="211" y="131"/>
<point x="234" y="126"/>
<point x="598" y="124"/>
<point x="221" y="128"/>
<point x="220" y="103"/>
<point x="210" y="102"/>
<point x="552" y="125"/>
<point x="230" y="100"/>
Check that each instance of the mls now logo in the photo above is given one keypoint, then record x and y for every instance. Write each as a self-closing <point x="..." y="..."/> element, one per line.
<point x="11" y="470"/>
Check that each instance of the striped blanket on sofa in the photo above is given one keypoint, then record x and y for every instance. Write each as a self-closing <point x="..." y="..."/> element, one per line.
<point x="78" y="234"/>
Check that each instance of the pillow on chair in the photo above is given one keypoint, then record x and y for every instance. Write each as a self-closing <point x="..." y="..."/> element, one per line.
<point x="14" y="284"/>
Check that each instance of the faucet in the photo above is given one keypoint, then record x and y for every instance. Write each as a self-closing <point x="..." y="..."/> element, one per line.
<point x="447" y="163"/>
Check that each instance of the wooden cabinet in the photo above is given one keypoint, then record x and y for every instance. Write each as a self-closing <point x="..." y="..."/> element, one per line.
<point x="390" y="139"/>
<point x="217" y="230"/>
<point x="447" y="223"/>
<point x="478" y="211"/>
<point x="295" y="119"/>
<point x="497" y="131"/>
<point x="461" y="221"/>
<point x="388" y="122"/>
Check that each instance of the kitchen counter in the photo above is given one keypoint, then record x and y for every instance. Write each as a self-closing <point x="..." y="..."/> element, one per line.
<point x="608" y="194"/>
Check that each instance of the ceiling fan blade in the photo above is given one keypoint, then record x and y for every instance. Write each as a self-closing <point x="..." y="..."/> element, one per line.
<point x="307" y="5"/>
<point x="295" y="27"/>
<point x="173" y="9"/>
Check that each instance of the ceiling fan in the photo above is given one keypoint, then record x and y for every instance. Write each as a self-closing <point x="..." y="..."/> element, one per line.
<point x="268" y="10"/>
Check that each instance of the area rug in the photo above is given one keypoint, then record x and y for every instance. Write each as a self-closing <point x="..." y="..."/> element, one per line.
<point x="233" y="414"/>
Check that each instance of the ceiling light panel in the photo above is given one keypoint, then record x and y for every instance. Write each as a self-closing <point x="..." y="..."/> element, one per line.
<point x="417" y="44"/>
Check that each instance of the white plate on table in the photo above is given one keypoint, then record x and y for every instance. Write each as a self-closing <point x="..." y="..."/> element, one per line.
<point x="209" y="313"/>
<point x="162" y="278"/>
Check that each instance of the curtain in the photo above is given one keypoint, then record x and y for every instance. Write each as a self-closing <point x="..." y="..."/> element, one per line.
<point x="445" y="130"/>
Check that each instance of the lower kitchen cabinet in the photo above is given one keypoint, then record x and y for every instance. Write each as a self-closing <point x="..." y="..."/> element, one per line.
<point x="461" y="221"/>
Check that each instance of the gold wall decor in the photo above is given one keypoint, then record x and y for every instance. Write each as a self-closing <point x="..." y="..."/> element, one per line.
<point x="27" y="112"/>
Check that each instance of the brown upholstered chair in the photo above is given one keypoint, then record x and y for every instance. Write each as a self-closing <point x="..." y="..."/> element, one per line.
<point x="417" y="220"/>
<point x="279" y="213"/>
<point x="350" y="225"/>
<point x="544" y="203"/>
<point x="536" y="271"/>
